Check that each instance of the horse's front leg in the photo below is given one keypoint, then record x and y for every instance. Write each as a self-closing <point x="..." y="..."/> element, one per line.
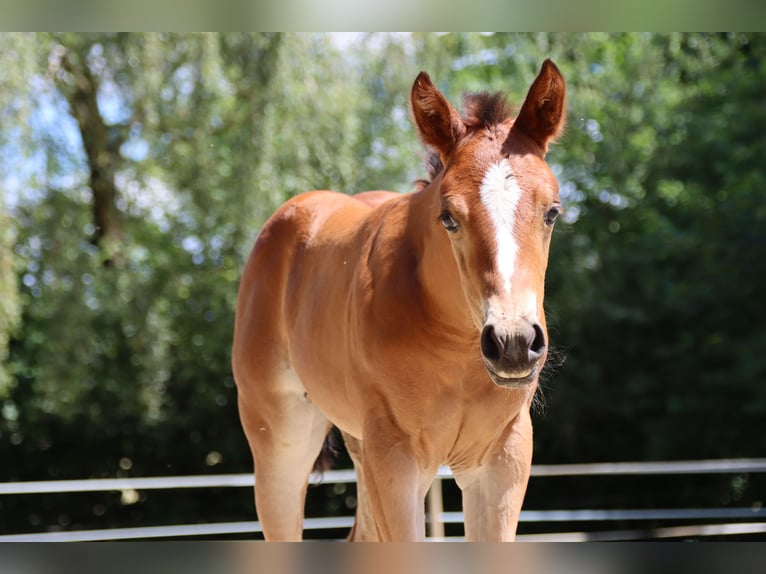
<point x="494" y="492"/>
<point x="395" y="483"/>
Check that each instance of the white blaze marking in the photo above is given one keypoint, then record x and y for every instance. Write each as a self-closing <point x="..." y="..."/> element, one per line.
<point x="500" y="194"/>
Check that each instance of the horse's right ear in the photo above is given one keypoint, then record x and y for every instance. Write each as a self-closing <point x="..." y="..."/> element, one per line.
<point x="543" y="112"/>
<point x="439" y="124"/>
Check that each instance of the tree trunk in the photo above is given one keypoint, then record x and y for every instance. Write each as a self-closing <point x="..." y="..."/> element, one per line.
<point x="102" y="143"/>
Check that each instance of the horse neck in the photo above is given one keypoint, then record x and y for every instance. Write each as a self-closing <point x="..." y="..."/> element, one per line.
<point x="438" y="273"/>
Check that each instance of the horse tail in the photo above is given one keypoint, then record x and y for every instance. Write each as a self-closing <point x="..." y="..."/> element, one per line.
<point x="330" y="450"/>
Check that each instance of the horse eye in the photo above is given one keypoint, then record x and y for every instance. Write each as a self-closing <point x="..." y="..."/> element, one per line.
<point x="449" y="222"/>
<point x="552" y="214"/>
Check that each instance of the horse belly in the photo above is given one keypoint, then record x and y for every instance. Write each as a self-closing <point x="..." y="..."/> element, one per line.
<point x="317" y="355"/>
<point x="316" y="309"/>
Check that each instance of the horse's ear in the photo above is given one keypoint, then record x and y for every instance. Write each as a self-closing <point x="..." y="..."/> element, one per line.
<point x="439" y="124"/>
<point x="543" y="113"/>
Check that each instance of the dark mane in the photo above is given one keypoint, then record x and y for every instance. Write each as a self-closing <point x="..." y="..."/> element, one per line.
<point x="433" y="167"/>
<point x="480" y="110"/>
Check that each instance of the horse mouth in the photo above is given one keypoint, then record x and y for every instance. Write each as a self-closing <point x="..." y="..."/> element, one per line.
<point x="512" y="381"/>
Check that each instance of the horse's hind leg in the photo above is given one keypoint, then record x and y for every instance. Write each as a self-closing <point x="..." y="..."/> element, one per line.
<point x="285" y="431"/>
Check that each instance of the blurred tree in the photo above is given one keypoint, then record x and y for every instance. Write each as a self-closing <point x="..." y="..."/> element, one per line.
<point x="9" y="301"/>
<point x="74" y="62"/>
<point x="147" y="146"/>
<point x="16" y="63"/>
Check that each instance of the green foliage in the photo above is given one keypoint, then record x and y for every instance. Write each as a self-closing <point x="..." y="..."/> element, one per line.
<point x="16" y="55"/>
<point x="9" y="301"/>
<point x="659" y="326"/>
<point x="654" y="284"/>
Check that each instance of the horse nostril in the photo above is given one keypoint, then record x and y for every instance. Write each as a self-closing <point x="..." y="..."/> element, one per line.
<point x="512" y="352"/>
<point x="491" y="346"/>
<point x="537" y="346"/>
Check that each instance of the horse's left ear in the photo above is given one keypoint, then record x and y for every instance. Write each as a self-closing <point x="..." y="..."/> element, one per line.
<point x="543" y="113"/>
<point x="439" y="124"/>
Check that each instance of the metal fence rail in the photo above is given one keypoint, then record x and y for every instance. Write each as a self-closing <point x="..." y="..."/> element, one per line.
<point x="751" y="520"/>
<point x="718" y="466"/>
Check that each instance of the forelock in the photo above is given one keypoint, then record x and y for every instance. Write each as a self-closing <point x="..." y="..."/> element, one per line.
<point x="485" y="109"/>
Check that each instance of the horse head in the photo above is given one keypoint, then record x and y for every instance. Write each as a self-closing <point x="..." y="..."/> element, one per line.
<point x="498" y="202"/>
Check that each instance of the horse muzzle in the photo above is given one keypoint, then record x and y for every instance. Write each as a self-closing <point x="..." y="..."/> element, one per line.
<point x="513" y="357"/>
